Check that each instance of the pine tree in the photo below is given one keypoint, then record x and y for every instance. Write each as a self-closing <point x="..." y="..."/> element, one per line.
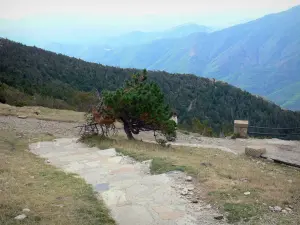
<point x="140" y="106"/>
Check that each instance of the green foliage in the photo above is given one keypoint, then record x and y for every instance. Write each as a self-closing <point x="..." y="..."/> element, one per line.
<point x="238" y="212"/>
<point x="201" y="128"/>
<point x="140" y="104"/>
<point x="59" y="79"/>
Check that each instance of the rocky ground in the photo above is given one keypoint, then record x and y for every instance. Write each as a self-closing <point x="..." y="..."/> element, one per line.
<point x="288" y="151"/>
<point x="185" y="205"/>
<point x="35" y="126"/>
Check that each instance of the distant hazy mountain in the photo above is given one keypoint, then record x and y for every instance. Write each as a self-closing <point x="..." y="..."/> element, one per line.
<point x="261" y="56"/>
<point x="92" y="51"/>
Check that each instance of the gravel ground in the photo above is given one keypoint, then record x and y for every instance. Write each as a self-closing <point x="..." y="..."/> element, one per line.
<point x="35" y="126"/>
<point x="288" y="151"/>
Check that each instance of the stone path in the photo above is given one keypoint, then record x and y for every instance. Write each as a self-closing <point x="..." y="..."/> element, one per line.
<point x="133" y="195"/>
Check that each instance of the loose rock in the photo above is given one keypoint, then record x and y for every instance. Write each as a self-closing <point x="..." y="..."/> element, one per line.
<point x="206" y="164"/>
<point x="188" y="178"/>
<point x="26" y="210"/>
<point x="20" y="217"/>
<point x="255" y="151"/>
<point x="191" y="188"/>
<point x="22" y="117"/>
<point x="194" y="201"/>
<point x="207" y="206"/>
<point x="219" y="217"/>
<point x="184" y="191"/>
<point x="284" y="211"/>
<point x="277" y="208"/>
<point x="247" y="193"/>
<point x="244" y="179"/>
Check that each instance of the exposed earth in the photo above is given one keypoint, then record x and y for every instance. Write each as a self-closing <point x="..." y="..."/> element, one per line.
<point x="288" y="151"/>
<point x="125" y="185"/>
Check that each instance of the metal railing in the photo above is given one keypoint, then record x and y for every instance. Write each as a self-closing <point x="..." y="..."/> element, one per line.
<point x="292" y="133"/>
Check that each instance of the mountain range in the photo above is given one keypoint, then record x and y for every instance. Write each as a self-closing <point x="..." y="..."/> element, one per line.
<point x="260" y="56"/>
<point x="33" y="76"/>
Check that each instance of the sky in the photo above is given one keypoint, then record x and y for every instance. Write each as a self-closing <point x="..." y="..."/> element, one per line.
<point x="115" y="16"/>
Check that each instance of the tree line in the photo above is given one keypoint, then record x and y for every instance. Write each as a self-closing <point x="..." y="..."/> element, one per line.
<point x="33" y="76"/>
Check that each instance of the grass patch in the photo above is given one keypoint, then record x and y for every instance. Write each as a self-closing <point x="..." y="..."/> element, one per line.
<point x="239" y="211"/>
<point x="53" y="197"/>
<point x="164" y="165"/>
<point x="224" y="178"/>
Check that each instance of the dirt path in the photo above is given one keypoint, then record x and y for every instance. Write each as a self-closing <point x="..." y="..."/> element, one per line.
<point x="288" y="151"/>
<point x="278" y="149"/>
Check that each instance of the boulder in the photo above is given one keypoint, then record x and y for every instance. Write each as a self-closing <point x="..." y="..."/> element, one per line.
<point x="255" y="151"/>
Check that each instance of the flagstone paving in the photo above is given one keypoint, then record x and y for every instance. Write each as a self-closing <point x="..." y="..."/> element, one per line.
<point x="133" y="195"/>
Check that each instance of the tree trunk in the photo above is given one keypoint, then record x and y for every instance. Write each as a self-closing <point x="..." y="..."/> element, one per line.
<point x="127" y="130"/>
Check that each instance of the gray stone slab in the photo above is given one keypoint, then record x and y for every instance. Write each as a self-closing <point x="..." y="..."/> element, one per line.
<point x="133" y="195"/>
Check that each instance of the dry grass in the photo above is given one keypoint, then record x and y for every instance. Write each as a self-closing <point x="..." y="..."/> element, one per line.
<point x="42" y="113"/>
<point x="52" y="196"/>
<point x="224" y="177"/>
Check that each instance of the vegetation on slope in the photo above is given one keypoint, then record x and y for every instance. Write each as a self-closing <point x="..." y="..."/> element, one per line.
<point x="34" y="73"/>
<point x="261" y="56"/>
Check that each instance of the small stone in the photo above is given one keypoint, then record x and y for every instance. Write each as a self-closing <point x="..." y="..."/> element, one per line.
<point x="47" y="161"/>
<point x="271" y="208"/>
<point x="288" y="209"/>
<point x="20" y="217"/>
<point x="244" y="179"/>
<point x="190" y="188"/>
<point x="184" y="191"/>
<point x="26" y="210"/>
<point x="206" y="164"/>
<point x="219" y="217"/>
<point x="32" y="177"/>
<point x="290" y="181"/>
<point x="291" y="207"/>
<point x="284" y="211"/>
<point x="207" y="206"/>
<point x="58" y="205"/>
<point x="22" y="117"/>
<point x="188" y="178"/>
<point x="194" y="201"/>
<point x="247" y="193"/>
<point x="277" y="208"/>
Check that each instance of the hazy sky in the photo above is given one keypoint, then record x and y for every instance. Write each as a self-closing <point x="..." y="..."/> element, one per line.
<point x="54" y="16"/>
<point x="12" y="9"/>
<point x="216" y="12"/>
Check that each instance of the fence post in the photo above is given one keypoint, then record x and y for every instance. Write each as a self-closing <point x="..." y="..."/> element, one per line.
<point x="241" y="128"/>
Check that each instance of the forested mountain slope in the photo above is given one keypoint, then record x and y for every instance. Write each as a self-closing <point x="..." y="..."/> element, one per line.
<point x="261" y="56"/>
<point x="65" y="82"/>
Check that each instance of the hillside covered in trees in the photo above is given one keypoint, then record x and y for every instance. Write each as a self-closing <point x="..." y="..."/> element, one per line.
<point x="32" y="76"/>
